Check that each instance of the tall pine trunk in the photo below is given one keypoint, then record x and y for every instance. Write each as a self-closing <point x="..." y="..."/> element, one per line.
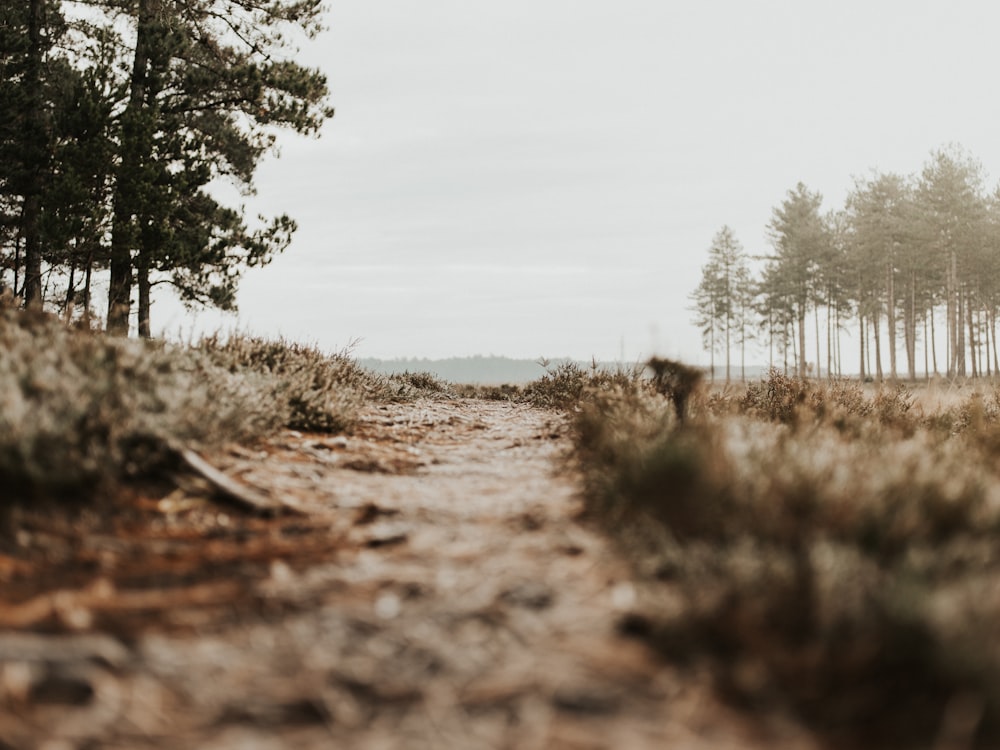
<point x="68" y="300"/>
<point x="135" y="151"/>
<point x="960" y="302"/>
<point x="816" y="326"/>
<point x="973" y="349"/>
<point x="991" y="332"/>
<point x="86" y="286"/>
<point x="910" y="327"/>
<point x="927" y="366"/>
<point x="933" y="342"/>
<point x="802" y="340"/>
<point x="878" y="348"/>
<point x="729" y="325"/>
<point x="34" y="157"/>
<point x="890" y="315"/>
<point x="142" y="281"/>
<point x="984" y="328"/>
<point x="861" y="345"/>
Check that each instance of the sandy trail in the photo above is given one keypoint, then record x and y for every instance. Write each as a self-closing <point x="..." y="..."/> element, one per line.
<point x="438" y="593"/>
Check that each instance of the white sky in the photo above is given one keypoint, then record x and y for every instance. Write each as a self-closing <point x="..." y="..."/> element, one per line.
<point x="543" y="177"/>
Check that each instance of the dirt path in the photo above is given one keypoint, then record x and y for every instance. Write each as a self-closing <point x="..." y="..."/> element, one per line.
<point x="437" y="593"/>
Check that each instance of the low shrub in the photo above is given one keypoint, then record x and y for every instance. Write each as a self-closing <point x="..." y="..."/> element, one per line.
<point x="818" y="574"/>
<point x="504" y="392"/>
<point x="80" y="410"/>
<point x="565" y="386"/>
<point x="320" y="392"/>
<point x="410" y="385"/>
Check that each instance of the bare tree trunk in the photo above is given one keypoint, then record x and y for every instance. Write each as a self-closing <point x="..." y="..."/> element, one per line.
<point x="17" y="266"/>
<point x="927" y="369"/>
<point x="729" y="325"/>
<point x="861" y="343"/>
<point x="787" y="340"/>
<point x="836" y="346"/>
<point x="983" y="334"/>
<point x="890" y="315"/>
<point x="142" y="281"/>
<point x="973" y="349"/>
<point x="770" y="340"/>
<point x="68" y="300"/>
<point x="743" y="339"/>
<point x="135" y="150"/>
<point x="993" y="330"/>
<point x="960" y="339"/>
<point x="34" y="158"/>
<point x="878" y="348"/>
<point x="86" y="287"/>
<point x="933" y="342"/>
<point x="802" y="341"/>
<point x="829" y="344"/>
<point x="950" y="317"/>
<point x="743" y="360"/>
<point x="910" y="328"/>
<point x="819" y="361"/>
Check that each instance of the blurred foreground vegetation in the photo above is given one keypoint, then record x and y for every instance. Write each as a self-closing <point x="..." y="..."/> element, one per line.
<point x="820" y="549"/>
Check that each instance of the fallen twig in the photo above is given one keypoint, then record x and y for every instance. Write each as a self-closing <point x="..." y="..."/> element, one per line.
<point x="229" y="489"/>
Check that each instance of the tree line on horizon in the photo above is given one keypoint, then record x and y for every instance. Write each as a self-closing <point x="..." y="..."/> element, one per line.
<point x="117" y="118"/>
<point x="910" y="263"/>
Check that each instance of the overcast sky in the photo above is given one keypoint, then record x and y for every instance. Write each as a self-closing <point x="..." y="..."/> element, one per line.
<point x="543" y="177"/>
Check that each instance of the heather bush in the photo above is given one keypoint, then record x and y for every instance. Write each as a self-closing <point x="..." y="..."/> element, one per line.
<point x="504" y="392"/>
<point x="778" y="398"/>
<point x="565" y="385"/>
<point x="826" y="552"/>
<point x="408" y="385"/>
<point x="319" y="392"/>
<point x="81" y="410"/>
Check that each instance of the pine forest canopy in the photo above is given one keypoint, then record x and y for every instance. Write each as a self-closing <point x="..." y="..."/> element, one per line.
<point x="116" y="116"/>
<point x="909" y="260"/>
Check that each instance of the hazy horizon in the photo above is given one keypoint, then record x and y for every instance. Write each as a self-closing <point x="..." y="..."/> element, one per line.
<point x="544" y="179"/>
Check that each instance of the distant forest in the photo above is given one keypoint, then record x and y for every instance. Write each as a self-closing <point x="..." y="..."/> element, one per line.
<point x="116" y="118"/>
<point x="910" y="264"/>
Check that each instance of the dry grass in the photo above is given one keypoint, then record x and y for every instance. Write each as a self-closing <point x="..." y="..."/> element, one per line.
<point x="80" y="412"/>
<point x="834" y="552"/>
<point x="565" y="386"/>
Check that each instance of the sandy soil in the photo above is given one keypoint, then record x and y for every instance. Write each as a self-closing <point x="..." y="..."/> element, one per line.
<point x="436" y="590"/>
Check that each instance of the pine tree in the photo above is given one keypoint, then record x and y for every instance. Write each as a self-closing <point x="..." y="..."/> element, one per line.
<point x="800" y="239"/>
<point x="951" y="227"/>
<point x="28" y="31"/>
<point x="721" y="299"/>
<point x="210" y="83"/>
